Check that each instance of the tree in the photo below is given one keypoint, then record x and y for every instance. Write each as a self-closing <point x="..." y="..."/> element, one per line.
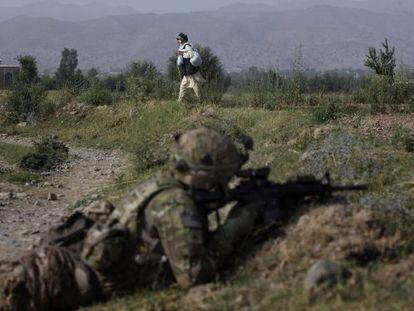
<point x="27" y="94"/>
<point x="29" y="73"/>
<point x="296" y="83"/>
<point x="67" y="67"/>
<point x="383" y="61"/>
<point x="143" y="81"/>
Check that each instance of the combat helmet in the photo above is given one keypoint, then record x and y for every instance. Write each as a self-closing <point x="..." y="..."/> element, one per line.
<point x="205" y="159"/>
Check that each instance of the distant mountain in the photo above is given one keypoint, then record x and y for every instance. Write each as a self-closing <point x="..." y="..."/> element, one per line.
<point x="64" y="12"/>
<point x="379" y="6"/>
<point x="331" y="37"/>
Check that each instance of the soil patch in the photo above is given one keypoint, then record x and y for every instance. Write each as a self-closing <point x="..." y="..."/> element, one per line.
<point x="27" y="211"/>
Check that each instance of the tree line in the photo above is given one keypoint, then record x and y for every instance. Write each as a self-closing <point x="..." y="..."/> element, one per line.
<point x="142" y="81"/>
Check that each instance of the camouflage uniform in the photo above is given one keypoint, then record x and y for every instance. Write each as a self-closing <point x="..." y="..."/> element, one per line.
<point x="124" y="248"/>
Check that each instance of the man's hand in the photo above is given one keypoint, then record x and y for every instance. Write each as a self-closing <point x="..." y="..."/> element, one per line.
<point x="180" y="53"/>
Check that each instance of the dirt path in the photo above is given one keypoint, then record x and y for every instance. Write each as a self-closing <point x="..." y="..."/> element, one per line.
<point x="27" y="211"/>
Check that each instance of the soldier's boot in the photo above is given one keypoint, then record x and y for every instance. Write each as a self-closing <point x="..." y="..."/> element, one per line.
<point x="240" y="222"/>
<point x="47" y="279"/>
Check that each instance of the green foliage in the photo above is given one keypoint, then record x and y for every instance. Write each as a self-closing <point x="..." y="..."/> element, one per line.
<point x="327" y="111"/>
<point x="382" y="62"/>
<point x="48" y="82"/>
<point x="402" y="138"/>
<point x="296" y="82"/>
<point x="29" y="72"/>
<point x="212" y="70"/>
<point x="259" y="90"/>
<point x="96" y="94"/>
<point x="382" y="92"/>
<point x="48" y="153"/>
<point x="116" y="83"/>
<point x="67" y="67"/>
<point x="10" y="156"/>
<point x="267" y="90"/>
<point x="76" y="85"/>
<point x="173" y="71"/>
<point x="143" y="81"/>
<point x="24" y="102"/>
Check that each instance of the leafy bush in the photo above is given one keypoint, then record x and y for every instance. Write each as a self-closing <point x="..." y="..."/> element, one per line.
<point x="383" y="61"/>
<point x="24" y="101"/>
<point x="402" y="138"/>
<point x="144" y="82"/>
<point x="48" y="82"/>
<point x="259" y="90"/>
<point x="116" y="83"/>
<point x="48" y="153"/>
<point x="96" y="94"/>
<point x="327" y="111"/>
<point x="46" y="109"/>
<point x="382" y="92"/>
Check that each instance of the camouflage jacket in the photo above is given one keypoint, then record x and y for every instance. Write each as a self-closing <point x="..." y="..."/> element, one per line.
<point x="157" y="218"/>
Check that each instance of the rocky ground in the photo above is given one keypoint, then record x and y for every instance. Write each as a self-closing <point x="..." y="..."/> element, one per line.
<point x="27" y="211"/>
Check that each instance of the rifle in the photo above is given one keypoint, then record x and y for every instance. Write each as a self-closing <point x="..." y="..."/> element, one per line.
<point x="255" y="187"/>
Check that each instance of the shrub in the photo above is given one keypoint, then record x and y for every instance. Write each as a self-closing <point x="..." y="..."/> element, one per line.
<point x="327" y="111"/>
<point x="27" y="94"/>
<point x="382" y="92"/>
<point x="48" y="82"/>
<point x="116" y="83"/>
<point x="144" y="82"/>
<point x="24" y="101"/>
<point x="259" y="90"/>
<point x="96" y="94"/>
<point x="29" y="72"/>
<point x="48" y="153"/>
<point x="46" y="109"/>
<point x="402" y="138"/>
<point x="383" y="61"/>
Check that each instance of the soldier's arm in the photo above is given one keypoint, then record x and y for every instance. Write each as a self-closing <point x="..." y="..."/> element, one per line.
<point x="182" y="232"/>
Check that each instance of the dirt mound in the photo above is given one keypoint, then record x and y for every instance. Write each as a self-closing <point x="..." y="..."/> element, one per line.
<point x="372" y="244"/>
<point x="343" y="232"/>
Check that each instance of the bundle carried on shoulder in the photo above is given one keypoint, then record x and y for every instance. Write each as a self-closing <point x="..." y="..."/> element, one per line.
<point x="193" y="54"/>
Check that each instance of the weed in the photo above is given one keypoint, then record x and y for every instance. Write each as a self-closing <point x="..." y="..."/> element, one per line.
<point x="96" y="94"/>
<point x="10" y="156"/>
<point x="48" y="153"/>
<point x="402" y="138"/>
<point x="326" y="112"/>
<point x="24" y="101"/>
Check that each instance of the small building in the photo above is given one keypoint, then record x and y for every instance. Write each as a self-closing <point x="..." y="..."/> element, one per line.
<point x="7" y="74"/>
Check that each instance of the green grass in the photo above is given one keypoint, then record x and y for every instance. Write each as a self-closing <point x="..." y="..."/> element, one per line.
<point x="10" y="156"/>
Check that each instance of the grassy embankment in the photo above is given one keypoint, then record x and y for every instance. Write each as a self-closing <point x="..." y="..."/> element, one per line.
<point x="354" y="146"/>
<point x="10" y="157"/>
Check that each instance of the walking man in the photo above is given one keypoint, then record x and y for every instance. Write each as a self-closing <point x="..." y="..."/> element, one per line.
<point x="189" y="61"/>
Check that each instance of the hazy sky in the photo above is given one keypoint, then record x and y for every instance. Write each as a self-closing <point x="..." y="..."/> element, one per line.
<point x="160" y="6"/>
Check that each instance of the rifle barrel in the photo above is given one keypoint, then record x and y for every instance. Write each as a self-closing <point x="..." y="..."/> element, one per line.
<point x="349" y="188"/>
